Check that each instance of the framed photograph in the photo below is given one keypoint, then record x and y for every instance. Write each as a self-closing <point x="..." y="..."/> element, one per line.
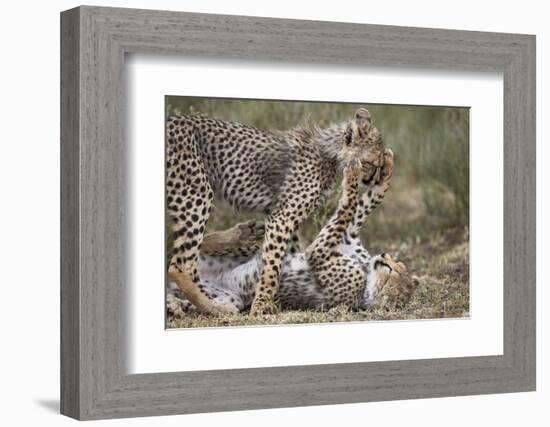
<point x="429" y="203"/>
<point x="261" y="213"/>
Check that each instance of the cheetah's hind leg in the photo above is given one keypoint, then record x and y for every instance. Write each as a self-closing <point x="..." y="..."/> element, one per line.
<point x="239" y="241"/>
<point x="189" y="200"/>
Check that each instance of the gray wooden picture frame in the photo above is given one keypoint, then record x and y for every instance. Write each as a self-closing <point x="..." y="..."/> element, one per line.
<point x="94" y="41"/>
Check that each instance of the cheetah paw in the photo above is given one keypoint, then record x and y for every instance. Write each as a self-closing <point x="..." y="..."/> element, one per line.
<point x="260" y="308"/>
<point x="251" y="231"/>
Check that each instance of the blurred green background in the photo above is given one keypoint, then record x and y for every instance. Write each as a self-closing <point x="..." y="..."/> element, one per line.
<point x="429" y="196"/>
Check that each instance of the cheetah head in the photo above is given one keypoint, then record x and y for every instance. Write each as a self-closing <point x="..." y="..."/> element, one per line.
<point x="389" y="284"/>
<point x="363" y="141"/>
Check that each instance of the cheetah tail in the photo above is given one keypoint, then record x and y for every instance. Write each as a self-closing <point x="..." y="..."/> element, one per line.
<point x="198" y="299"/>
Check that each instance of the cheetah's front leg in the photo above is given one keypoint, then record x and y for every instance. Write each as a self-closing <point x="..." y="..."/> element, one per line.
<point x="324" y="247"/>
<point x="279" y="229"/>
<point x="299" y="195"/>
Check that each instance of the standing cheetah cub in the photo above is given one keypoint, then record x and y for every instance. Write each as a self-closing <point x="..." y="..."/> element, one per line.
<point x="283" y="174"/>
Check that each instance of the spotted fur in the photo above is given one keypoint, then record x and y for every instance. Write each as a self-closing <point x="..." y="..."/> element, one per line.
<point x="284" y="175"/>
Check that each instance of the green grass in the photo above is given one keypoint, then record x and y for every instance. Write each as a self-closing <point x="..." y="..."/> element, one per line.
<point x="425" y="214"/>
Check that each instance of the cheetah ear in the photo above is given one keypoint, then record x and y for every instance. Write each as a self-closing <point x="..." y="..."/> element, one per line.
<point x="416" y="281"/>
<point x="363" y="117"/>
<point x="362" y="114"/>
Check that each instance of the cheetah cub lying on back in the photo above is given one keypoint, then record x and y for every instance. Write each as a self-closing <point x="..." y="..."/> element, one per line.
<point x="284" y="174"/>
<point x="336" y="269"/>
